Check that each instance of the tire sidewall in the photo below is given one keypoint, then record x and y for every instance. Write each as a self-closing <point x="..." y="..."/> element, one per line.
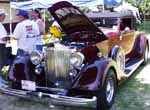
<point x="102" y="102"/>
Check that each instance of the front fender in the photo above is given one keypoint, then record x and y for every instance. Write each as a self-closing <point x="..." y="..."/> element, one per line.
<point x="93" y="75"/>
<point x="21" y="69"/>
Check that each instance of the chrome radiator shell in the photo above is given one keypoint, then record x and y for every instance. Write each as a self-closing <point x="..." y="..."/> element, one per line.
<point x="58" y="66"/>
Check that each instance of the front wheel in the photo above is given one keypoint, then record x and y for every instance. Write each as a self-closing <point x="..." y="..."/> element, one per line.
<point x="106" y="95"/>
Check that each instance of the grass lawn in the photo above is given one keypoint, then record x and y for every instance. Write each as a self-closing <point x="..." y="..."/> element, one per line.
<point x="145" y="27"/>
<point x="134" y="94"/>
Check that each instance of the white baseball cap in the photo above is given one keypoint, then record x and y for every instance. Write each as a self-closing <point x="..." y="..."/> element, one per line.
<point x="2" y="11"/>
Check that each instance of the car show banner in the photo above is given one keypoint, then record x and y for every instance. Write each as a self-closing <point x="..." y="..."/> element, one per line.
<point x="112" y="2"/>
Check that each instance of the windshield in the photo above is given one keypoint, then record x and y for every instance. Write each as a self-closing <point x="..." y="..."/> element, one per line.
<point x="106" y="22"/>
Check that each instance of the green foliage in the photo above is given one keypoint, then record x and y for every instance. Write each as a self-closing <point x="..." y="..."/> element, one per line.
<point x="85" y="9"/>
<point x="144" y="27"/>
<point x="143" y="5"/>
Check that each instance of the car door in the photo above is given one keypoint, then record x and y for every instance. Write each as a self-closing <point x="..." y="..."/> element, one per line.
<point x="126" y="40"/>
<point x="126" y="37"/>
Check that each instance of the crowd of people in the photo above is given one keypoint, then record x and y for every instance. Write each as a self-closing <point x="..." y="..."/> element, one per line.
<point x="28" y="34"/>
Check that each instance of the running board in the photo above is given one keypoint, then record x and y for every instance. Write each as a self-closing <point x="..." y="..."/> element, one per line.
<point x="132" y="66"/>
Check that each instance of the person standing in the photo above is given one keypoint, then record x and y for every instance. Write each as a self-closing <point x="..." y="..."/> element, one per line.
<point x="25" y="32"/>
<point x="3" y="33"/>
<point x="36" y="16"/>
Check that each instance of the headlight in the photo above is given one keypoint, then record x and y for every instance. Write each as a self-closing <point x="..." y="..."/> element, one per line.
<point x="76" y="59"/>
<point x="36" y="57"/>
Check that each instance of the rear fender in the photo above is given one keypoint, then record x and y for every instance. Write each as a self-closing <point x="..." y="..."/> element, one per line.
<point x="142" y="43"/>
<point x="94" y="75"/>
<point x="139" y="46"/>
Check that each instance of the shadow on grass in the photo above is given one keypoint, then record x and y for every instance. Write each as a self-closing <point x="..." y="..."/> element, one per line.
<point x="134" y="94"/>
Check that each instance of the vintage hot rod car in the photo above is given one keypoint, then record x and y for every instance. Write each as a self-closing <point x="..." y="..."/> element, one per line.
<point x="88" y="63"/>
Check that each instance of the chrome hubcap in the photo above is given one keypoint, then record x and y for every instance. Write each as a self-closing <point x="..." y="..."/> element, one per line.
<point x="120" y="62"/>
<point x="110" y="90"/>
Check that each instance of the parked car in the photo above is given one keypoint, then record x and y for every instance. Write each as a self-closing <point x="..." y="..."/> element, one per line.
<point x="86" y="66"/>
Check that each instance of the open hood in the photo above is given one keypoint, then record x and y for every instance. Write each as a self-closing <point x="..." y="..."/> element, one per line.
<point x="72" y="20"/>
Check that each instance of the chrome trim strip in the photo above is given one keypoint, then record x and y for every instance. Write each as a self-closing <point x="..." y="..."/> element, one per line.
<point x="50" y="89"/>
<point x="13" y="92"/>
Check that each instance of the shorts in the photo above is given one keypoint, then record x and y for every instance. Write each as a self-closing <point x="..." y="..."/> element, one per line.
<point x="3" y="56"/>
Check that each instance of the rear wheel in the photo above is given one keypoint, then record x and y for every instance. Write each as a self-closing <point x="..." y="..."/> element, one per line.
<point x="106" y="95"/>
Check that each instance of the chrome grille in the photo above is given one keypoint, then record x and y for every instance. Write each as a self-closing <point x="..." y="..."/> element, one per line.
<point x="57" y="65"/>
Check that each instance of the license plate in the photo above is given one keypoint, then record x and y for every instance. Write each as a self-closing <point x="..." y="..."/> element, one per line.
<point x="28" y="85"/>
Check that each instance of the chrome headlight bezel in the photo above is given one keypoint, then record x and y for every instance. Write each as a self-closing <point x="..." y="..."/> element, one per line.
<point x="76" y="59"/>
<point x="36" y="57"/>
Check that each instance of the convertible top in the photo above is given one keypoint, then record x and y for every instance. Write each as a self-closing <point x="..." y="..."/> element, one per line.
<point x="109" y="14"/>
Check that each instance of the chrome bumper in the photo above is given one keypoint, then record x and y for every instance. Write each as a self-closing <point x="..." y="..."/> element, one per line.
<point x="52" y="98"/>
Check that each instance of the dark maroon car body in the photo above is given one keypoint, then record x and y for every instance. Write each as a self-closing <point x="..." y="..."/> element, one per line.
<point x="107" y="60"/>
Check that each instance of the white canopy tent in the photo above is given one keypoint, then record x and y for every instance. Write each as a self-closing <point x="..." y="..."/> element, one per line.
<point x="27" y="5"/>
<point x="47" y="3"/>
<point x="112" y="2"/>
<point x="128" y="7"/>
<point x="44" y="4"/>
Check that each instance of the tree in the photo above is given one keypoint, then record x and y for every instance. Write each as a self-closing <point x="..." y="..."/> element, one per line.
<point x="85" y="9"/>
<point x="143" y="5"/>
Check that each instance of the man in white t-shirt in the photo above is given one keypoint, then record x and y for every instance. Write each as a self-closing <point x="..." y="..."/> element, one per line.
<point x="25" y="33"/>
<point x="3" y="34"/>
